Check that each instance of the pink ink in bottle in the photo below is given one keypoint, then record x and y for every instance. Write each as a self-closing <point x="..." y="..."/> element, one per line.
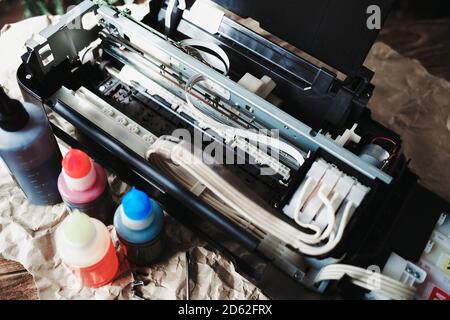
<point x="83" y="186"/>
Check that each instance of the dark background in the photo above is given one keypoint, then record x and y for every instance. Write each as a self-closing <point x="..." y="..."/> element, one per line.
<point x="418" y="29"/>
<point x="421" y="9"/>
<point x="13" y="10"/>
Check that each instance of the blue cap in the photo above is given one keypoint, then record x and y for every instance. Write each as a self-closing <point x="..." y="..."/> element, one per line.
<point x="137" y="205"/>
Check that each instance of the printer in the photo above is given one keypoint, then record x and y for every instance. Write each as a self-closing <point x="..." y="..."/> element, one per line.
<point x="271" y="158"/>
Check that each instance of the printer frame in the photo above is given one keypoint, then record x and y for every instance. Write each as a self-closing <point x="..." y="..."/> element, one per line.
<point x="398" y="215"/>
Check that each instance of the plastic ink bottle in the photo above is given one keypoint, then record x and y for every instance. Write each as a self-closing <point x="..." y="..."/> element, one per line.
<point x="29" y="150"/>
<point x="139" y="223"/>
<point x="84" y="245"/>
<point x="83" y="185"/>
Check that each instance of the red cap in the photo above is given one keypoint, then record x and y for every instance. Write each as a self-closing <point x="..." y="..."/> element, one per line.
<point x="76" y="164"/>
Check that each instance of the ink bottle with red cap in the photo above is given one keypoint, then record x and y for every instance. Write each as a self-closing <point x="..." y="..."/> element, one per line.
<point x="83" y="185"/>
<point x="139" y="224"/>
<point x="85" y="246"/>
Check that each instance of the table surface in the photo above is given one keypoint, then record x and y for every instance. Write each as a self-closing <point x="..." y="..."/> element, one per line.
<point x="427" y="41"/>
<point x="15" y="282"/>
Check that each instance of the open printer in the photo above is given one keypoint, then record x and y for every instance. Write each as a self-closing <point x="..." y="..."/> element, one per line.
<point x="274" y="160"/>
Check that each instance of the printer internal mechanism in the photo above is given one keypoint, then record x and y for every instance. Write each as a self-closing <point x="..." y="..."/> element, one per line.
<point x="274" y="160"/>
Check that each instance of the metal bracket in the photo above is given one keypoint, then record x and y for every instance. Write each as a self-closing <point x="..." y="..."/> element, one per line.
<point x="62" y="41"/>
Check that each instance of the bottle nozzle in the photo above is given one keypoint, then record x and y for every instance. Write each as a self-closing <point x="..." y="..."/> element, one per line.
<point x="4" y="101"/>
<point x="137" y="205"/>
<point x="13" y="115"/>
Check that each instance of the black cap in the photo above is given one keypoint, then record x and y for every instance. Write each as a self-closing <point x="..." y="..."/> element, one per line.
<point x="13" y="115"/>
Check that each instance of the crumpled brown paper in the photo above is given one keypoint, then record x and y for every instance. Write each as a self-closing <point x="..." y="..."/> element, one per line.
<point x="189" y="271"/>
<point x="26" y="231"/>
<point x="416" y="105"/>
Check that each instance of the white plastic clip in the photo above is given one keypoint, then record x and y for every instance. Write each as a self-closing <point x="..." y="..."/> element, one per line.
<point x="349" y="135"/>
<point x="198" y="188"/>
<point x="404" y="271"/>
<point x="429" y="246"/>
<point x="442" y="219"/>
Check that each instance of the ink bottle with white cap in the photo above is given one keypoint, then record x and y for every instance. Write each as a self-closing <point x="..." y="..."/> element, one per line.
<point x="85" y="246"/>
<point x="83" y="185"/>
<point x="139" y="223"/>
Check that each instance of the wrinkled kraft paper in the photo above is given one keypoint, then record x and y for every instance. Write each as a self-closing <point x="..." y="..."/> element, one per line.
<point x="407" y="99"/>
<point x="26" y="231"/>
<point x="416" y="105"/>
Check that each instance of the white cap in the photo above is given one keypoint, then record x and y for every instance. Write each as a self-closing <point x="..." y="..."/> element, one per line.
<point x="81" y="241"/>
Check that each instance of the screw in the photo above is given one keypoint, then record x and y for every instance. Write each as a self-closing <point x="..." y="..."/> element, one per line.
<point x="298" y="275"/>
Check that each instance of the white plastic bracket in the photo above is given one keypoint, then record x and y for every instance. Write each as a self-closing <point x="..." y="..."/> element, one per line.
<point x="205" y="16"/>
<point x="405" y="271"/>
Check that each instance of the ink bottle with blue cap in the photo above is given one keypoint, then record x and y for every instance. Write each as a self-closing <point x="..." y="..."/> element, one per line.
<point x="139" y="223"/>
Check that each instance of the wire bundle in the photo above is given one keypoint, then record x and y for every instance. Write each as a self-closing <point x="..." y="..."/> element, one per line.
<point x="218" y="61"/>
<point x="228" y="131"/>
<point x="375" y="282"/>
<point x="175" y="158"/>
